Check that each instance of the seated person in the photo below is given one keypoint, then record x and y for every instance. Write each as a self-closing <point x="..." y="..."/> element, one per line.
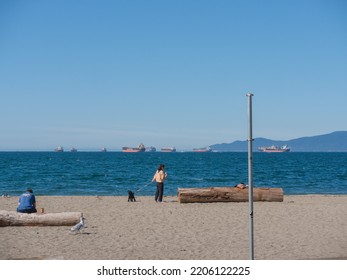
<point x="27" y="202"/>
<point x="241" y="186"/>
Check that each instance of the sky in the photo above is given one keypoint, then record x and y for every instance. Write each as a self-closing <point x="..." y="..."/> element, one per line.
<point x="93" y="74"/>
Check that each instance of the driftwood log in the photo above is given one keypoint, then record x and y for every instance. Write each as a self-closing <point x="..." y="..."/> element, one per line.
<point x="228" y="194"/>
<point x="12" y="218"/>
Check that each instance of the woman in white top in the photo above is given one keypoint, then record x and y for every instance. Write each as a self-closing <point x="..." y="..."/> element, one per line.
<point x="159" y="177"/>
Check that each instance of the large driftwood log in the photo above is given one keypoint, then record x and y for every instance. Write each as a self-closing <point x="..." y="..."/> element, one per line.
<point x="12" y="218"/>
<point x="228" y="194"/>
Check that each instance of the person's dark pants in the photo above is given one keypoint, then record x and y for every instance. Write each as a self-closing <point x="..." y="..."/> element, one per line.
<point x="159" y="193"/>
<point x="30" y="210"/>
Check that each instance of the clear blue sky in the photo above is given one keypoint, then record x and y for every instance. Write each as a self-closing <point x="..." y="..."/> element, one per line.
<point x="93" y="74"/>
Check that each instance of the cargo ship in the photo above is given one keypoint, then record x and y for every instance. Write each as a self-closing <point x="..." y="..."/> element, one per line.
<point x="59" y="149"/>
<point x="202" y="150"/>
<point x="151" y="149"/>
<point x="104" y="150"/>
<point x="140" y="148"/>
<point x="168" y="149"/>
<point x="274" y="149"/>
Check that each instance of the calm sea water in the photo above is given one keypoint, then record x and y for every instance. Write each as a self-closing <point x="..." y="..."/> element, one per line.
<point x="113" y="173"/>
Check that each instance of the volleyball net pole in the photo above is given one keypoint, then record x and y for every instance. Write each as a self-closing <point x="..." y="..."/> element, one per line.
<point x="250" y="177"/>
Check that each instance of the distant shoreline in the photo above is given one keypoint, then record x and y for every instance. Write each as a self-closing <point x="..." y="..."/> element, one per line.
<point x="331" y="142"/>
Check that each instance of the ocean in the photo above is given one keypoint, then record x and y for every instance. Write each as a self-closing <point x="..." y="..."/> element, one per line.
<point x="113" y="173"/>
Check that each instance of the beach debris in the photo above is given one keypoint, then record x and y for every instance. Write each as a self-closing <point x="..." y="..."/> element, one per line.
<point x="13" y="218"/>
<point x="228" y="194"/>
<point x="76" y="228"/>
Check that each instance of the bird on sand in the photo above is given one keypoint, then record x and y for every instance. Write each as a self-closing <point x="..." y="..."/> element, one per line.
<point x="76" y="228"/>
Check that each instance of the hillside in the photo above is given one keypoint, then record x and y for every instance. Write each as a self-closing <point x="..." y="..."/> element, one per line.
<point x="332" y="142"/>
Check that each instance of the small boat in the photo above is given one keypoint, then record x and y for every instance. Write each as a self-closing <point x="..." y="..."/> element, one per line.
<point x="140" y="148"/>
<point x="202" y="150"/>
<point x="274" y="149"/>
<point x="73" y="150"/>
<point x="168" y="149"/>
<point x="104" y="150"/>
<point x="151" y="149"/>
<point x="59" y="149"/>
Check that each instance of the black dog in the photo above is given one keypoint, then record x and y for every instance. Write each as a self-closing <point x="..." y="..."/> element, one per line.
<point x="131" y="196"/>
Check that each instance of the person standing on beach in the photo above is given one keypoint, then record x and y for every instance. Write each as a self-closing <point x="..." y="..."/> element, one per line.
<point x="159" y="177"/>
<point x="27" y="202"/>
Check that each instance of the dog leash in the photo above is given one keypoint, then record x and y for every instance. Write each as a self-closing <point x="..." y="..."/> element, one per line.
<point x="143" y="187"/>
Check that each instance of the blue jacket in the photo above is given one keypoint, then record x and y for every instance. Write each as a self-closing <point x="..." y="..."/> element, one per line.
<point x="26" y="201"/>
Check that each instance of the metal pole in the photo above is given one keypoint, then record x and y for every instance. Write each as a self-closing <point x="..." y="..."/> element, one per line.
<point x="250" y="178"/>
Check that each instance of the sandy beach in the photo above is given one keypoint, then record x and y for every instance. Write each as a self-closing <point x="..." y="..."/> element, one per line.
<point x="300" y="227"/>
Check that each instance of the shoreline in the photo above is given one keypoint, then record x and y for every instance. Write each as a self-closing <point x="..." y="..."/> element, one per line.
<point x="301" y="227"/>
<point x="168" y="196"/>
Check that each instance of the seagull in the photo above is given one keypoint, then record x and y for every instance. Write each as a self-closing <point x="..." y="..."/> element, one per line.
<point x="76" y="228"/>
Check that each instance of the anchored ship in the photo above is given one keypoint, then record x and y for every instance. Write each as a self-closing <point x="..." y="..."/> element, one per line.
<point x="168" y="149"/>
<point x="151" y="149"/>
<point x="140" y="148"/>
<point x="202" y="150"/>
<point x="59" y="149"/>
<point x="274" y="149"/>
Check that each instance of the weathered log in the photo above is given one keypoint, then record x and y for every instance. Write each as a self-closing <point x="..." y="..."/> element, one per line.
<point x="12" y="218"/>
<point x="228" y="194"/>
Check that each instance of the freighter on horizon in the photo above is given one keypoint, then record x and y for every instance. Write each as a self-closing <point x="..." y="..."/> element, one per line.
<point x="59" y="149"/>
<point x="274" y="149"/>
<point x="140" y="148"/>
<point x="168" y="149"/>
<point x="151" y="149"/>
<point x="202" y="150"/>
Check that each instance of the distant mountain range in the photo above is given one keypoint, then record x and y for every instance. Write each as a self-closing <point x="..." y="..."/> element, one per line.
<point x="332" y="142"/>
